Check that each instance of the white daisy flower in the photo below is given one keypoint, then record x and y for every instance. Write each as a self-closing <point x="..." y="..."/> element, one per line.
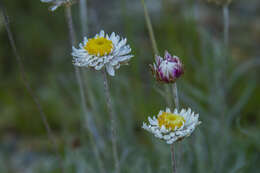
<point x="174" y="126"/>
<point x="102" y="51"/>
<point x="57" y="3"/>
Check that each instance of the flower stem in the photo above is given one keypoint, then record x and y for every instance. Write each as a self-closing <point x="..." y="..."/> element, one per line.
<point x="175" y="95"/>
<point x="113" y="123"/>
<point x="226" y="60"/>
<point x="176" y="102"/>
<point x="29" y="88"/>
<point x="90" y="125"/>
<point x="225" y="10"/>
<point x="83" y="16"/>
<point x="173" y="159"/>
<point x="70" y="25"/>
<point x="150" y="28"/>
<point x="175" y="92"/>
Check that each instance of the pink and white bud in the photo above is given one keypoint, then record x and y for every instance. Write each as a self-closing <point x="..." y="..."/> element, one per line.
<point x="167" y="69"/>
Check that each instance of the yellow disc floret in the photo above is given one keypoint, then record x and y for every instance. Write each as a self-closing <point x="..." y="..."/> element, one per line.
<point x="99" y="46"/>
<point x="170" y="121"/>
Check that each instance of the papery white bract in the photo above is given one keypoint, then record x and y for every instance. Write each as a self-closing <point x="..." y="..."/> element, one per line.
<point x="167" y="69"/>
<point x="102" y="51"/>
<point x="174" y="126"/>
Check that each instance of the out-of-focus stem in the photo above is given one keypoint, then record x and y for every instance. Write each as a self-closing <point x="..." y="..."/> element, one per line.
<point x="70" y="25"/>
<point x="101" y="166"/>
<point x="225" y="10"/>
<point x="84" y="29"/>
<point x="226" y="60"/>
<point x="77" y="71"/>
<point x="113" y="123"/>
<point x="176" y="102"/>
<point x="90" y="126"/>
<point x="150" y="28"/>
<point x="29" y="88"/>
<point x="83" y="16"/>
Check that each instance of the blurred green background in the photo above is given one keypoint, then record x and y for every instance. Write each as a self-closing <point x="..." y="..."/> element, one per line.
<point x="220" y="82"/>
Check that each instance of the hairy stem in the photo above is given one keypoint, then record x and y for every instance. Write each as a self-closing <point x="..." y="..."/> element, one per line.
<point x="173" y="159"/>
<point x="176" y="102"/>
<point x="90" y="125"/>
<point x="113" y="123"/>
<point x="150" y="28"/>
<point x="175" y="95"/>
<point x="28" y="86"/>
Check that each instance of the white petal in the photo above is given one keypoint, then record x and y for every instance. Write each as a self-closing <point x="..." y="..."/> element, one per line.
<point x="110" y="70"/>
<point x="54" y="7"/>
<point x="115" y="40"/>
<point x="112" y="37"/>
<point x="102" y="33"/>
<point x="122" y="43"/>
<point x="98" y="67"/>
<point x="85" y="40"/>
<point x="168" y="110"/>
<point x="160" y="113"/>
<point x="124" y="58"/>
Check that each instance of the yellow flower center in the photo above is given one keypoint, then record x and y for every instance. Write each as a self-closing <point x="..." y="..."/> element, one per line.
<point x="170" y="121"/>
<point x="99" y="46"/>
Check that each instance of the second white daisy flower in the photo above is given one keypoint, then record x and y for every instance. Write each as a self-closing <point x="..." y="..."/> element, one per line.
<point x="102" y="51"/>
<point x="174" y="126"/>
